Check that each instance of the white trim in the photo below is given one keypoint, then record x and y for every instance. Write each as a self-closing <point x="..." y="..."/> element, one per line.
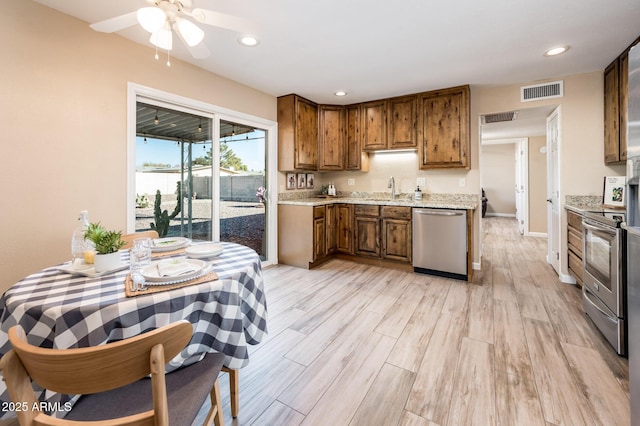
<point x="501" y="215"/>
<point x="566" y="278"/>
<point x="537" y="234"/>
<point x="523" y="146"/>
<point x="550" y="230"/>
<point x="476" y="266"/>
<point x="136" y="91"/>
<point x="502" y="141"/>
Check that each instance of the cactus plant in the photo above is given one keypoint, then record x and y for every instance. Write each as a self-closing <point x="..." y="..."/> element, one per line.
<point x="163" y="218"/>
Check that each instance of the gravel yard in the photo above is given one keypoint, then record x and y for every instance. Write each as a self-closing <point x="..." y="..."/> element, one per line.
<point x="240" y="222"/>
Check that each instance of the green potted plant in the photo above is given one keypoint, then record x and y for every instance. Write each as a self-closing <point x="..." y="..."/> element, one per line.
<point x="107" y="244"/>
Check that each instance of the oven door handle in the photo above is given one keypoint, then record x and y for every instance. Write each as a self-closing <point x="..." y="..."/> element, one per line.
<point x="601" y="228"/>
<point x="589" y="297"/>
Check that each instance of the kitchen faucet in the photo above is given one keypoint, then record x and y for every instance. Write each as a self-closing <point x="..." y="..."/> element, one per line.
<point x="392" y="186"/>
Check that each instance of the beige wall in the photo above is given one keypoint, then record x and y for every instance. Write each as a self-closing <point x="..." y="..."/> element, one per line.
<point x="581" y="131"/>
<point x="63" y="117"/>
<point x="537" y="185"/>
<point x="499" y="178"/>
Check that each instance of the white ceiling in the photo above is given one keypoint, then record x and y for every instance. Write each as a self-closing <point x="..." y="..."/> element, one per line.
<point x="378" y="49"/>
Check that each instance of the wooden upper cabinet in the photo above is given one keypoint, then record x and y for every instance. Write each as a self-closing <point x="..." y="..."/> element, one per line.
<point x="389" y="123"/>
<point x="374" y="125"/>
<point x="332" y="137"/>
<point x="443" y="128"/>
<point x="616" y="91"/>
<point x="612" y="113"/>
<point x="401" y="122"/>
<point x="623" y="99"/>
<point x="297" y="134"/>
<point x="355" y="159"/>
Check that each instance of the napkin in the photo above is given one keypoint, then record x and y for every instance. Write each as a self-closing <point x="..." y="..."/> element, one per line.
<point x="175" y="267"/>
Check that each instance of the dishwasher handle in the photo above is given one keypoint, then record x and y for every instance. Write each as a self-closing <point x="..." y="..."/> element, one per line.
<point x="438" y="213"/>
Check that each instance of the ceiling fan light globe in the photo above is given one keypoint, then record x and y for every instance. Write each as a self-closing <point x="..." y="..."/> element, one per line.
<point x="151" y="18"/>
<point x="162" y="38"/>
<point x="190" y="32"/>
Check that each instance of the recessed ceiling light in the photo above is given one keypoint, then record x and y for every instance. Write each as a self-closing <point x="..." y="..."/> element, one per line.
<point x="340" y="93"/>
<point x="248" y="40"/>
<point x="554" y="51"/>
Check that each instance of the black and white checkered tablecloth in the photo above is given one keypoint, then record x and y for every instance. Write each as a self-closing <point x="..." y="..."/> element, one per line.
<point x="58" y="310"/>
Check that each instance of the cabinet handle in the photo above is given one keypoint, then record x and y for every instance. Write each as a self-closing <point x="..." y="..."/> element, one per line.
<point x="433" y="213"/>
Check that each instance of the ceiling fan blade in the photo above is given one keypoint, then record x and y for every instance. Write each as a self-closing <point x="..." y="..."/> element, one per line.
<point x="117" y="23"/>
<point x="221" y="20"/>
<point x="198" y="51"/>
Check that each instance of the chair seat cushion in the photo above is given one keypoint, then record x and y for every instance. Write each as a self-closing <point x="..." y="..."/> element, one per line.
<point x="187" y="390"/>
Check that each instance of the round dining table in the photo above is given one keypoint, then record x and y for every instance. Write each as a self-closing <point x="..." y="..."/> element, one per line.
<point x="62" y="310"/>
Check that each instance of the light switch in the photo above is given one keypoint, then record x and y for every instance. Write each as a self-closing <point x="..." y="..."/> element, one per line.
<point x="462" y="182"/>
<point x="351" y="182"/>
<point x="422" y="182"/>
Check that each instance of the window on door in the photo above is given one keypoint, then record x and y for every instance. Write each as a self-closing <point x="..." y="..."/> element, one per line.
<point x="203" y="175"/>
<point x="173" y="179"/>
<point x="243" y="215"/>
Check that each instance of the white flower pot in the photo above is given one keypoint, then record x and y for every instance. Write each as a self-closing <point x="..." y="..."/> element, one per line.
<point x="106" y="262"/>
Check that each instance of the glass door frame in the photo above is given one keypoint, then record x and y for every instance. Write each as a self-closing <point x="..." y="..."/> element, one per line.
<point x="136" y="92"/>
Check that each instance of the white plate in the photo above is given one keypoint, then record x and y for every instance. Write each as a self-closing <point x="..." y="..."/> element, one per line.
<point x="200" y="251"/>
<point x="89" y="270"/>
<point x="151" y="274"/>
<point x="169" y="243"/>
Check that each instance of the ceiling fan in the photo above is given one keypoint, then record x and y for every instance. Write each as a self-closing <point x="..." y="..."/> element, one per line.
<point x="165" y="17"/>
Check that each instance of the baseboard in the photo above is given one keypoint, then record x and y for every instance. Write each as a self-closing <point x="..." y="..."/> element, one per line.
<point x="501" y="214"/>
<point x="567" y="279"/>
<point x="537" y="234"/>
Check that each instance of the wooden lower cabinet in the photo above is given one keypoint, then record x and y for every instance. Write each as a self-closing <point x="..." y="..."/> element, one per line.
<point x="330" y="229"/>
<point x="574" y="245"/>
<point x="396" y="233"/>
<point x="367" y="236"/>
<point x="344" y="228"/>
<point x="319" y="233"/>
<point x="309" y="235"/>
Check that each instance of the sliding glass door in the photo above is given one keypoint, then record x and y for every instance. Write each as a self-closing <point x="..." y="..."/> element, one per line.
<point x="242" y="201"/>
<point x="173" y="178"/>
<point x="201" y="174"/>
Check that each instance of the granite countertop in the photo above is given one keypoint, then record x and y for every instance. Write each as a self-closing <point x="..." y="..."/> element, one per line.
<point x="588" y="203"/>
<point x="441" y="201"/>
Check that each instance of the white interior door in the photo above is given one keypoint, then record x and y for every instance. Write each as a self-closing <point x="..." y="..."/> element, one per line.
<point x="553" y="190"/>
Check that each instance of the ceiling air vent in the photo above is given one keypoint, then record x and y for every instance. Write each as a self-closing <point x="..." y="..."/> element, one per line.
<point x="542" y="91"/>
<point x="499" y="117"/>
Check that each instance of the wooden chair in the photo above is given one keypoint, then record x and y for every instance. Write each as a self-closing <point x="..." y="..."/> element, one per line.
<point x="113" y="380"/>
<point x="234" y="390"/>
<point x="128" y="238"/>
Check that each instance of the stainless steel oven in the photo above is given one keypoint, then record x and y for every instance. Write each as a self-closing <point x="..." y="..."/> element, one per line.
<point x="604" y="290"/>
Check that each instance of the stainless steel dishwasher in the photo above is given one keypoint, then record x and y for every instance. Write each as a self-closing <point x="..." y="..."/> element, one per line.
<point x="440" y="242"/>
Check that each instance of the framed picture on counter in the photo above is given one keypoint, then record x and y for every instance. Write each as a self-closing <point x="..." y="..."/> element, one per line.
<point x="614" y="191"/>
<point x="310" y="180"/>
<point x="291" y="181"/>
<point x="302" y="181"/>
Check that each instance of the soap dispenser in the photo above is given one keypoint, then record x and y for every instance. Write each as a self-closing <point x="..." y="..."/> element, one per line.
<point x="417" y="196"/>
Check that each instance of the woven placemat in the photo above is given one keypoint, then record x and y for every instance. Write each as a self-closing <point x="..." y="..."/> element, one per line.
<point x="210" y="276"/>
<point x="167" y="253"/>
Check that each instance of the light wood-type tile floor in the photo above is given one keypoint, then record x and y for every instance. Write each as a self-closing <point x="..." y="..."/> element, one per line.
<point x="351" y="344"/>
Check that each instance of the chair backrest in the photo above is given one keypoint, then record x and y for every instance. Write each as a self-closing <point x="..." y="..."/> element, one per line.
<point x="128" y="238"/>
<point x="94" y="369"/>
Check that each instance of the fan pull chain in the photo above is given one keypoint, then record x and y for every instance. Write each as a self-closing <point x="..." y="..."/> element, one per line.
<point x="168" y="58"/>
<point x="157" y="57"/>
